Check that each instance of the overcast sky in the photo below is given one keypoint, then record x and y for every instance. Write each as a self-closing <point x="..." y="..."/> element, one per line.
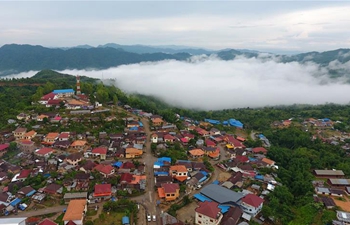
<point x="267" y="26"/>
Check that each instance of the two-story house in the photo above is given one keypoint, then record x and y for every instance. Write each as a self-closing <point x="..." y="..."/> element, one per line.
<point x="178" y="172"/>
<point x="169" y="191"/>
<point x="19" y="133"/>
<point x="252" y="204"/>
<point x="74" y="159"/>
<point x="208" y="213"/>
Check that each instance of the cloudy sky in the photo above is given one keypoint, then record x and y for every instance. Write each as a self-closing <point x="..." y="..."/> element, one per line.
<point x="275" y="26"/>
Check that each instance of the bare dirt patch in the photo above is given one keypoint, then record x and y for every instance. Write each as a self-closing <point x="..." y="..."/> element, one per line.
<point x="186" y="213"/>
<point x="223" y="176"/>
<point x="343" y="204"/>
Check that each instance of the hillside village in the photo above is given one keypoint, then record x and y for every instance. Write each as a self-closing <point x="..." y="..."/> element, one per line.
<point x="164" y="174"/>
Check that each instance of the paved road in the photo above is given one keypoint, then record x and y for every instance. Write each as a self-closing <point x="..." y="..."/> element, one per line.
<point x="39" y="212"/>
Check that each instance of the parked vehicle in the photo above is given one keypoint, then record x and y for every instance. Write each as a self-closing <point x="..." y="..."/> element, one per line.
<point x="149" y="218"/>
<point x="154" y="218"/>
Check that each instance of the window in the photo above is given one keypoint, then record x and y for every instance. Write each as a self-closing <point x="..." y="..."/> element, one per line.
<point x="211" y="221"/>
<point x="200" y="216"/>
<point x="199" y="221"/>
<point x="172" y="194"/>
<point x="167" y="195"/>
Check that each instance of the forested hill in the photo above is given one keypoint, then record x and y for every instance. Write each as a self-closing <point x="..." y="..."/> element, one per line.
<point x="19" y="58"/>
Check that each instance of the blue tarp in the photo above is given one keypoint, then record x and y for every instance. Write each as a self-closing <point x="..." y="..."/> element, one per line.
<point x="259" y="177"/>
<point x="133" y="128"/>
<point x="31" y="193"/>
<point x="215" y="122"/>
<point x="224" y="208"/>
<point x="202" y="198"/>
<point x="202" y="179"/>
<point x="325" y="120"/>
<point x="113" y="199"/>
<point x="47" y="175"/>
<point x="118" y="164"/>
<point x="225" y="123"/>
<point x="204" y="173"/>
<point x="216" y="182"/>
<point x="164" y="159"/>
<point x="252" y="159"/>
<point x="141" y="124"/>
<point x="261" y="136"/>
<point x="15" y="202"/>
<point x="125" y="220"/>
<point x="235" y="123"/>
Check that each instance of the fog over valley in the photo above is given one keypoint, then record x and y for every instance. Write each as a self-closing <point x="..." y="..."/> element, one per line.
<point x="210" y="83"/>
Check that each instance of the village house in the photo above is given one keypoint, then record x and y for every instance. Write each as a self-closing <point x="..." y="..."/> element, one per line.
<point x="169" y="138"/>
<point x="329" y="173"/>
<point x="41" y="117"/>
<point x="208" y="213"/>
<point x="53" y="189"/>
<point x="74" y="159"/>
<point x="50" y="138"/>
<point x="127" y="167"/>
<point x="19" y="133"/>
<point x="73" y="196"/>
<point x="102" y="191"/>
<point x="44" y="152"/>
<point x="169" y="191"/>
<point x="47" y="221"/>
<point x="179" y="172"/>
<point x="26" y="146"/>
<point x="100" y="152"/>
<point x="78" y="144"/>
<point x="105" y="170"/>
<point x="232" y="216"/>
<point x="75" y="211"/>
<point x="23" y="116"/>
<point x="157" y="122"/>
<point x="252" y="204"/>
<point x="29" y="135"/>
<point x="196" y="153"/>
<point x="64" y="136"/>
<point x="131" y="153"/>
<point x="3" y="149"/>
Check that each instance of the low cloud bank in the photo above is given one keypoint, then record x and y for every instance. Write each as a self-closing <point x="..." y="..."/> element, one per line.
<point x="211" y="83"/>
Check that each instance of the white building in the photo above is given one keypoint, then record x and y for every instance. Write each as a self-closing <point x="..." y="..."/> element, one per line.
<point x="13" y="221"/>
<point x="208" y="213"/>
<point x="252" y="204"/>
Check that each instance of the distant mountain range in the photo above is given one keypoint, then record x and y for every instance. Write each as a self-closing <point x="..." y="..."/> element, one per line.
<point x="20" y="58"/>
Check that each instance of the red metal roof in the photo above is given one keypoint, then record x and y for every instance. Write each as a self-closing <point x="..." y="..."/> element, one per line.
<point x="48" y="96"/>
<point x="210" y="209"/>
<point x="44" y="151"/>
<point x="102" y="189"/>
<point x="126" y="177"/>
<point x="259" y="149"/>
<point x="106" y="169"/>
<point x="253" y="200"/>
<point x="24" y="174"/>
<point x="4" y="147"/>
<point x="100" y="150"/>
<point x="47" y="222"/>
<point x="170" y="188"/>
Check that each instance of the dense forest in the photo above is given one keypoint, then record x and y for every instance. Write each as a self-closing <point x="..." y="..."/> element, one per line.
<point x="295" y="152"/>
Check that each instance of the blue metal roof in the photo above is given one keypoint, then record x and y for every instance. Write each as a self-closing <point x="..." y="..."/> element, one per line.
<point x="15" y="202"/>
<point x="259" y="177"/>
<point x="125" y="220"/>
<point x="202" y="198"/>
<point x="160" y="173"/>
<point x="31" y="193"/>
<point x="62" y="91"/>
<point x="118" y="164"/>
<point x="215" y="182"/>
<point x="235" y="123"/>
<point x="215" y="122"/>
<point x="224" y="208"/>
<point x="204" y="173"/>
<point x="141" y="124"/>
<point x="164" y="159"/>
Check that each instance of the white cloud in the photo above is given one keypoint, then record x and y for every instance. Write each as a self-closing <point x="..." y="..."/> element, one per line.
<point x="212" y="83"/>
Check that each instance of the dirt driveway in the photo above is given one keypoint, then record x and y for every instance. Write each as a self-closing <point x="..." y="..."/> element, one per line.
<point x="343" y="204"/>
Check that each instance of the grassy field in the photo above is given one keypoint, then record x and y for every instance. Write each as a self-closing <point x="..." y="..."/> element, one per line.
<point x="109" y="219"/>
